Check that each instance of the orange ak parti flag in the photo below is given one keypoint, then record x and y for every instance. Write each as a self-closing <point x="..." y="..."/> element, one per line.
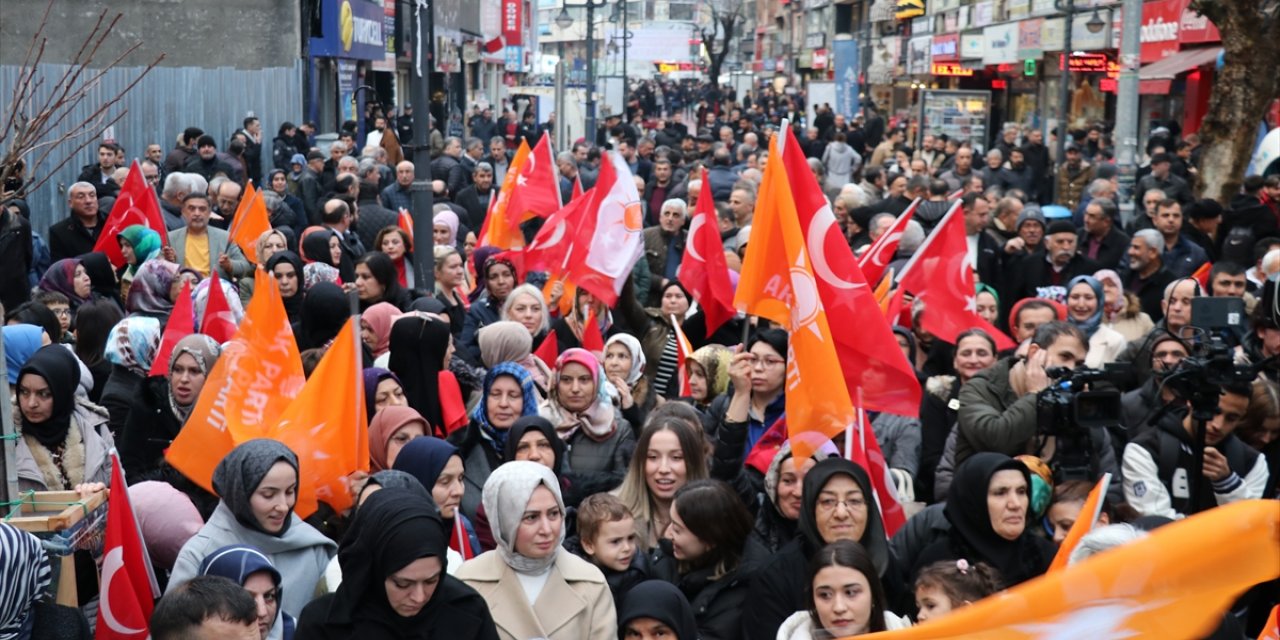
<point x="777" y="282"/>
<point x="1175" y="583"/>
<point x="1088" y="518"/>
<point x="496" y="232"/>
<point x="327" y="427"/>
<point x="253" y="382"/>
<point x="250" y="222"/>
<point x="537" y="187"/>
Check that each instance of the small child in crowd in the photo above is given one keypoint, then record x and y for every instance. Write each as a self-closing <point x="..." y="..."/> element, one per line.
<point x="607" y="534"/>
<point x="946" y="585"/>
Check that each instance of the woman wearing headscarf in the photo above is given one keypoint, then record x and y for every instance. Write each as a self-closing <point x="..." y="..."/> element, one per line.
<point x="420" y="350"/>
<point x="24" y="579"/>
<point x="92" y="327"/>
<point x="507" y="395"/>
<point x="163" y="404"/>
<point x="323" y="245"/>
<point x="1123" y="311"/>
<point x="324" y="311"/>
<point x="21" y="341"/>
<point x="102" y="277"/>
<point x="64" y="439"/>
<point x="988" y="508"/>
<point x="507" y="341"/>
<point x="394" y="585"/>
<point x="131" y="347"/>
<point x="444" y="228"/>
<point x="271" y="242"/>
<point x="313" y="273"/>
<point x="250" y="568"/>
<point x="656" y="601"/>
<point x="70" y="278"/>
<point x="200" y="300"/>
<point x="390" y="430"/>
<point x="500" y="277"/>
<point x="529" y="571"/>
<point x="708" y="373"/>
<point x="376" y="282"/>
<point x="258" y="483"/>
<point x="438" y="466"/>
<point x="381" y="389"/>
<point x="286" y="267"/>
<point x="839" y="504"/>
<point x="578" y="404"/>
<point x="653" y="328"/>
<point x="167" y="519"/>
<point x="1086" y="307"/>
<point x="777" y="521"/>
<point x="138" y="244"/>
<point x="568" y="328"/>
<point x="624" y="368"/>
<point x="375" y="327"/>
<point x="151" y="293"/>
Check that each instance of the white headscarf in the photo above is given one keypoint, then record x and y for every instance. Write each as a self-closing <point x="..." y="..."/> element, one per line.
<point x="506" y="496"/>
<point x="637" y="354"/>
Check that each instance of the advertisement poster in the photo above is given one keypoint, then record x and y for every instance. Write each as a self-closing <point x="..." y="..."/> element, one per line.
<point x="846" y="75"/>
<point x="347" y="82"/>
<point x="962" y="115"/>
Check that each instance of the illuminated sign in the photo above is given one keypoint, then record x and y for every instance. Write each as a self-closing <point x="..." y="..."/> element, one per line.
<point x="1092" y="63"/>
<point x="999" y="84"/>
<point x="944" y="69"/>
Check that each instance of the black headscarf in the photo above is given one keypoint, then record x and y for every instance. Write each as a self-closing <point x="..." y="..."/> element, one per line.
<point x="238" y="475"/>
<point x="102" y="276"/>
<point x="391" y="479"/>
<point x="970" y="518"/>
<point x="324" y="310"/>
<point x="394" y="528"/>
<point x="661" y="601"/>
<point x="315" y="246"/>
<point x="535" y="423"/>
<point x="418" y="346"/>
<point x="292" y="304"/>
<point x="873" y="538"/>
<point x="427" y="304"/>
<point x="61" y="372"/>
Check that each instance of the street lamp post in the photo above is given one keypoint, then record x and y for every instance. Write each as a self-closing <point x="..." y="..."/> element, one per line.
<point x="564" y="21"/>
<point x="1094" y="25"/>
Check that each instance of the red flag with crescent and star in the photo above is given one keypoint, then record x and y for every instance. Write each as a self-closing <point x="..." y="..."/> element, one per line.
<point x="880" y="253"/>
<point x="608" y="243"/>
<point x="703" y="269"/>
<point x="552" y="247"/>
<point x="537" y="188"/>
<point x="136" y="204"/>
<point x="941" y="275"/>
<point x="129" y="587"/>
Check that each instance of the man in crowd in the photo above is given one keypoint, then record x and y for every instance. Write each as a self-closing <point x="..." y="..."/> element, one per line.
<point x="961" y="172"/>
<point x="76" y="234"/>
<point x="1046" y="274"/>
<point x="1100" y="240"/>
<point x="664" y="247"/>
<point x="99" y="175"/>
<point x="1161" y="178"/>
<point x="476" y="197"/>
<point x="1181" y="256"/>
<point x="206" y="161"/>
<point x="203" y="248"/>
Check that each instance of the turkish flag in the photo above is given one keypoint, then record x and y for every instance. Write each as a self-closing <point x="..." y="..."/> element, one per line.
<point x="592" y="339"/>
<point x="608" y="243"/>
<point x="495" y="232"/>
<point x="683" y="351"/>
<point x="136" y="204"/>
<point x="217" y="322"/>
<point x="181" y="323"/>
<point x="537" y="187"/>
<point x="577" y="186"/>
<point x="552" y="247"/>
<point x="548" y="351"/>
<point x="128" y="588"/>
<point x="941" y="275"/>
<point x="703" y="270"/>
<point x="880" y="253"/>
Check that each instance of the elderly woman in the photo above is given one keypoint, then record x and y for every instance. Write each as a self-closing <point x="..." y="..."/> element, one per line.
<point x="535" y="588"/>
<point x="624" y="365"/>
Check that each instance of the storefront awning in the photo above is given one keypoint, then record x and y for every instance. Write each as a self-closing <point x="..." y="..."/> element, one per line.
<point x="1157" y="77"/>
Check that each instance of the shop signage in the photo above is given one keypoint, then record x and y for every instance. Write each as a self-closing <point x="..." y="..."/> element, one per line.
<point x="1042" y="7"/>
<point x="820" y="59"/>
<point x="1160" y="23"/>
<point x="512" y="22"/>
<point x="983" y="13"/>
<point x="1092" y="63"/>
<point x="971" y="45"/>
<point x="918" y="55"/>
<point x="1197" y="29"/>
<point x="1051" y="34"/>
<point x="815" y="40"/>
<point x="946" y="48"/>
<point x="1084" y="40"/>
<point x="1001" y="44"/>
<point x="353" y="30"/>
<point x="922" y="26"/>
<point x="951" y="69"/>
<point x="1017" y="8"/>
<point x="1029" y="38"/>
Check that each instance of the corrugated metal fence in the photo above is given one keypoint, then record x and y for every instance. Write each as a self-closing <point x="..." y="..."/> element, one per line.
<point x="167" y="101"/>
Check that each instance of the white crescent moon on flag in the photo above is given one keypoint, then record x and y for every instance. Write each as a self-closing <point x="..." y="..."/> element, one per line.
<point x="112" y="564"/>
<point x="876" y="259"/>
<point x="557" y="234"/>
<point x="818" y="231"/>
<point x="692" y="243"/>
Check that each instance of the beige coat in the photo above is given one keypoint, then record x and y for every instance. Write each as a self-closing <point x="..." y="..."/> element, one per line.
<point x="575" y="604"/>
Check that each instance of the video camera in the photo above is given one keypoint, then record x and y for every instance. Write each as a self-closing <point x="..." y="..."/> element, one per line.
<point x="1066" y="411"/>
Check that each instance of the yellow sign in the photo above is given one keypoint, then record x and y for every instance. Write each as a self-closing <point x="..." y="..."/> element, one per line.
<point x="346" y="25"/>
<point x="907" y="9"/>
<point x="946" y="69"/>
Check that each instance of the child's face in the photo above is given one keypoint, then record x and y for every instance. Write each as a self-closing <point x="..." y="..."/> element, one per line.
<point x="932" y="602"/>
<point x="615" y="545"/>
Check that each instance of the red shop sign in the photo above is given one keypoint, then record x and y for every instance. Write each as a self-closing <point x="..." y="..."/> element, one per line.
<point x="946" y="47"/>
<point x="512" y="17"/>
<point x="1197" y="29"/>
<point x="1160" y="24"/>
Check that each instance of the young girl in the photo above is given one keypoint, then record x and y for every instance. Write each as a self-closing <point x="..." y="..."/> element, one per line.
<point x="946" y="585"/>
<point x="845" y="597"/>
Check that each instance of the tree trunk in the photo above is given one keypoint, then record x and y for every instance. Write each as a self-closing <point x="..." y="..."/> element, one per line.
<point x="1247" y="82"/>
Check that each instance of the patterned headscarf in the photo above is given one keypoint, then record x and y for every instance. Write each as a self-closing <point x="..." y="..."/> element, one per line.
<point x="316" y="272"/>
<point x="145" y="242"/>
<point x="60" y="278"/>
<point x="24" y="575"/>
<point x="200" y="300"/>
<point x="530" y="407"/>
<point x="133" y="343"/>
<point x="205" y="351"/>
<point x="149" y="293"/>
<point x="599" y="419"/>
<point x="715" y="360"/>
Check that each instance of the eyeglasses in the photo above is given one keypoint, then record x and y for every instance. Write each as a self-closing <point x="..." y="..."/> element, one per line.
<point x="61" y="312"/>
<point x="830" y="504"/>
<point x="767" y="361"/>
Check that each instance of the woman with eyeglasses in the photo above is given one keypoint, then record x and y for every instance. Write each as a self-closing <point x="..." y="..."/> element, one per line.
<point x="756" y="397"/>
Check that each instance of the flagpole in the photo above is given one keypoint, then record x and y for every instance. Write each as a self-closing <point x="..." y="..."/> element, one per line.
<point x="927" y="241"/>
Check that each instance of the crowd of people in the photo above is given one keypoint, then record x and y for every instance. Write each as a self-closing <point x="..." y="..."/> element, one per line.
<point x="587" y="496"/>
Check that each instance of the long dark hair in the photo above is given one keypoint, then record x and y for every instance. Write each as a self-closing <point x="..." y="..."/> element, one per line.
<point x="384" y="271"/>
<point x="713" y="512"/>
<point x="94" y="321"/>
<point x="850" y="554"/>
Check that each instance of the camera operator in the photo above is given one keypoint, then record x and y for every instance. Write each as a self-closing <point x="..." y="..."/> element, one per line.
<point x="998" y="409"/>
<point x="1176" y="307"/>
<point x="1158" y="464"/>
<point x="1141" y="404"/>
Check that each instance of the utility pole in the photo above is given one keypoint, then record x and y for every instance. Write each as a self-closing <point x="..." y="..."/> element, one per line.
<point x="591" y="69"/>
<point x="1127" y="106"/>
<point x="1064" y="86"/>
<point x="420" y="90"/>
<point x="9" y="459"/>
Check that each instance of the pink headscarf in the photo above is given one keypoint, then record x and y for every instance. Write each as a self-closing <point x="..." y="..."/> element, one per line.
<point x="448" y="219"/>
<point x="167" y="519"/>
<point x="1108" y="275"/>
<point x="379" y="316"/>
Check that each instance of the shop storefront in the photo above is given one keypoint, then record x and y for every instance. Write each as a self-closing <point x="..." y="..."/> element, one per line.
<point x="1179" y="55"/>
<point x="351" y="35"/>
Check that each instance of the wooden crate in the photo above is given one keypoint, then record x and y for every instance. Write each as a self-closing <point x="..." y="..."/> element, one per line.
<point x="46" y="513"/>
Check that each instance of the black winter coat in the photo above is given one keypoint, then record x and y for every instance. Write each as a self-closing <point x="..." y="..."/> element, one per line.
<point x="461" y="614"/>
<point x="149" y="429"/>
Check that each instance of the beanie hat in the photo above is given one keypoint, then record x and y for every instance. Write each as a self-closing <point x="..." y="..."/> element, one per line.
<point x="1060" y="226"/>
<point x="1031" y="213"/>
